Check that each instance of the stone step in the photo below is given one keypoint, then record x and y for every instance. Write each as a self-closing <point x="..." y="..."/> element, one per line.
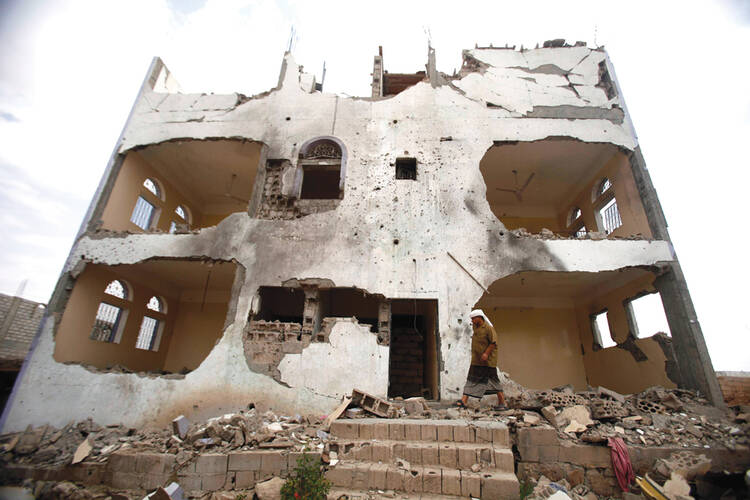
<point x="490" y="484"/>
<point x="452" y="431"/>
<point x="456" y="455"/>
<point x="336" y="493"/>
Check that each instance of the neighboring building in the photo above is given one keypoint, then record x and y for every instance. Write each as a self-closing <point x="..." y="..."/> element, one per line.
<point x="233" y="239"/>
<point x="735" y="386"/>
<point x="19" y="322"/>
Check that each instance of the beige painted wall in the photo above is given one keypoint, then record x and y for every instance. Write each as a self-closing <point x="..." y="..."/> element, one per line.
<point x="629" y="202"/>
<point x="129" y="185"/>
<point x="615" y="367"/>
<point x="72" y="342"/>
<point x="196" y="331"/>
<point x="539" y="348"/>
<point x="532" y="224"/>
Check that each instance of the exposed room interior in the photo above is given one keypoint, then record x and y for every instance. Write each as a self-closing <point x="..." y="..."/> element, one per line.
<point x="565" y="185"/>
<point x="161" y="315"/>
<point x="414" y="351"/>
<point x="181" y="185"/>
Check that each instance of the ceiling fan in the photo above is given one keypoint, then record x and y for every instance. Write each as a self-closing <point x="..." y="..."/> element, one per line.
<point x="518" y="191"/>
<point x="229" y="194"/>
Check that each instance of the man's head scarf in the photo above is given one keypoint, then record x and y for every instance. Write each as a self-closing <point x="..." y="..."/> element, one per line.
<point x="480" y="313"/>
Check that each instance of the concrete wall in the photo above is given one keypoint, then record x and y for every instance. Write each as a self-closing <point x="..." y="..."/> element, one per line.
<point x="387" y="237"/>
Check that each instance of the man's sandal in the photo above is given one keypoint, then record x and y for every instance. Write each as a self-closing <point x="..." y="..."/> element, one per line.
<point x="460" y="404"/>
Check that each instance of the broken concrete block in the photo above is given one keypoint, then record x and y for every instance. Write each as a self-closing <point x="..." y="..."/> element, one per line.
<point x="677" y="487"/>
<point x="603" y="391"/>
<point x="553" y="417"/>
<point x="578" y="414"/>
<point x="688" y="465"/>
<point x="373" y="404"/>
<point x="83" y="451"/>
<point x="532" y="418"/>
<point x="180" y="426"/>
<point x="269" y="490"/>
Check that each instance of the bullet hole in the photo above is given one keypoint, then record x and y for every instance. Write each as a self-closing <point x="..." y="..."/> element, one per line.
<point x="395" y="122"/>
<point x="459" y="321"/>
<point x="502" y="233"/>
<point x="288" y="118"/>
<point x="395" y="241"/>
<point x="381" y="226"/>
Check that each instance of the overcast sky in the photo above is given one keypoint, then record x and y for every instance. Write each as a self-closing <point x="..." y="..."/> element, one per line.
<point x="70" y="70"/>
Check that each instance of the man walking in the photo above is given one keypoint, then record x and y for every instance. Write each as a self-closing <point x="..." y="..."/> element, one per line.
<point x="482" y="378"/>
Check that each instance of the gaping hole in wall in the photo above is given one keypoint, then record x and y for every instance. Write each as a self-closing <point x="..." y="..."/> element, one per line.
<point x="648" y="315"/>
<point x="180" y="185"/>
<point x="413" y="369"/>
<point x="549" y="184"/>
<point x="395" y="83"/>
<point x="559" y="320"/>
<point x="161" y="315"/>
<point x="289" y="318"/>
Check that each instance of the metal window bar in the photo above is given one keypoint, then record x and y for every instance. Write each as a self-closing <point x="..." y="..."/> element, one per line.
<point x="116" y="289"/>
<point x="151" y="186"/>
<point x="611" y="216"/>
<point x="147" y="334"/>
<point x="581" y="232"/>
<point x="154" y="303"/>
<point x="106" y="323"/>
<point x="142" y="213"/>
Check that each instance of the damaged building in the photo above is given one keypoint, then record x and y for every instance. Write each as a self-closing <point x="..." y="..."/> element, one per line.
<point x="286" y="248"/>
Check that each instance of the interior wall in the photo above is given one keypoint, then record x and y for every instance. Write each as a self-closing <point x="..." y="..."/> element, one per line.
<point x="532" y="224"/>
<point x="72" y="342"/>
<point x="197" y="328"/>
<point x="539" y="347"/>
<point x="350" y="302"/>
<point x="629" y="204"/>
<point x="281" y="302"/>
<point x="129" y="185"/>
<point x="615" y="367"/>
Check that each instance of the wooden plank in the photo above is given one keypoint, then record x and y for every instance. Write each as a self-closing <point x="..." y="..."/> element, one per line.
<point x="336" y="413"/>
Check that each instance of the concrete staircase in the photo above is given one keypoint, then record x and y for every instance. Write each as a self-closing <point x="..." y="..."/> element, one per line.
<point x="440" y="454"/>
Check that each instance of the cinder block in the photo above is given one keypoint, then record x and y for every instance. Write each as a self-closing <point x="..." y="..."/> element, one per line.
<point x="412" y="431"/>
<point x="535" y="436"/>
<point x="87" y="473"/>
<point x="396" y="431"/>
<point x="412" y="453"/>
<point x="471" y="484"/>
<point x="244" y="479"/>
<point x="500" y="434"/>
<point x="341" y="475"/>
<point x="126" y="480"/>
<point x="467" y="457"/>
<point x="428" y="432"/>
<point x="190" y="481"/>
<point x="153" y="481"/>
<point x="363" y="452"/>
<point x="244" y="460"/>
<point x="432" y="480"/>
<point x="213" y="482"/>
<point x="394" y="478"/>
<point x="377" y="479"/>
<point x="121" y="462"/>
<point x="485" y="455"/>
<point x="345" y="429"/>
<point x="499" y="485"/>
<point x="430" y="454"/>
<point x="463" y="433"/>
<point x="381" y="452"/>
<point x="361" y="476"/>
<point x="451" y="482"/>
<point x="540" y="453"/>
<point x="272" y="461"/>
<point x="366" y="430"/>
<point x="444" y="432"/>
<point x="448" y="455"/>
<point x="589" y="455"/>
<point x="380" y="430"/>
<point x="483" y="434"/>
<point x="504" y="459"/>
<point x="211" y="463"/>
<point x="180" y="426"/>
<point x="413" y="480"/>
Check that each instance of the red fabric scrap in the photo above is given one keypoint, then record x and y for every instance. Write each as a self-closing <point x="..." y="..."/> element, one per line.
<point x="621" y="463"/>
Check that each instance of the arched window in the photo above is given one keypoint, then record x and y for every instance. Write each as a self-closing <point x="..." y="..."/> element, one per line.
<point x="575" y="214"/>
<point x="181" y="212"/>
<point x="152" y="186"/>
<point x="322" y="174"/>
<point x="149" y="335"/>
<point x="601" y="187"/>
<point x="607" y="212"/>
<point x="110" y="318"/>
<point x="183" y="215"/>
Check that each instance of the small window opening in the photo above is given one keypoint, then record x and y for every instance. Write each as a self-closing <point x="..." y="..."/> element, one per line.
<point x="155" y="304"/>
<point x="181" y="212"/>
<point x="107" y="323"/>
<point x="610" y="216"/>
<point x="575" y="214"/>
<point x="283" y="304"/>
<point x="604" y="185"/>
<point x="406" y="168"/>
<point x="147" y="335"/>
<point x="143" y="213"/>
<point x="152" y="186"/>
<point x="649" y="316"/>
<point x="600" y="328"/>
<point x="117" y="289"/>
<point x="320" y="182"/>
<point x="581" y="232"/>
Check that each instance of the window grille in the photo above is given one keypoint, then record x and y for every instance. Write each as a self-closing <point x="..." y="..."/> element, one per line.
<point x="581" y="232"/>
<point x="610" y="215"/>
<point x="154" y="304"/>
<point x="406" y="169"/>
<point x="106" y="323"/>
<point x="142" y="214"/>
<point x="153" y="187"/>
<point x="147" y="334"/>
<point x="116" y="289"/>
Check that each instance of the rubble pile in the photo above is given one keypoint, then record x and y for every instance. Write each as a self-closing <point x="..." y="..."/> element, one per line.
<point x="245" y="430"/>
